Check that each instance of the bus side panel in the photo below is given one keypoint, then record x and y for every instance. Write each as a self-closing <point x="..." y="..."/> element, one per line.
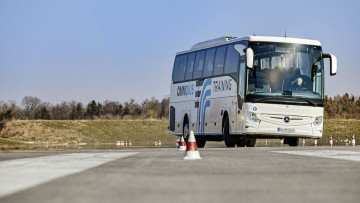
<point x="186" y="111"/>
<point x="215" y="116"/>
<point x="182" y="97"/>
<point x="228" y="106"/>
<point x="223" y="92"/>
<point x="233" y="116"/>
<point x="214" y="97"/>
<point x="193" y="117"/>
<point x="207" y="112"/>
<point x="204" y="105"/>
<point x="178" y="118"/>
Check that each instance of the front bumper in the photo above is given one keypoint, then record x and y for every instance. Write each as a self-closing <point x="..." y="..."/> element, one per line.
<point x="270" y="121"/>
<point x="265" y="129"/>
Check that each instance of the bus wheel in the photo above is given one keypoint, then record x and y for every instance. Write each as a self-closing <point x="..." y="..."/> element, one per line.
<point x="200" y="141"/>
<point x="293" y="142"/>
<point x="229" y="139"/>
<point x="251" y="142"/>
<point x="186" y="130"/>
<point x="241" y="142"/>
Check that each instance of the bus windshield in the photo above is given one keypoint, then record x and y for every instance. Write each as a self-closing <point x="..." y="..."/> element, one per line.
<point x="285" y="71"/>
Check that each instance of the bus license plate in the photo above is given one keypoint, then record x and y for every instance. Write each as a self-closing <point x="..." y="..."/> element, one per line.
<point x="286" y="130"/>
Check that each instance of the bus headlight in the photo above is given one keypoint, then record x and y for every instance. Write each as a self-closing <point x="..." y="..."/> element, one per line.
<point x="318" y="121"/>
<point x="252" y="117"/>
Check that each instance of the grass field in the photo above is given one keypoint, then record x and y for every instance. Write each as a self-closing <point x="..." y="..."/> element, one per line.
<point x="21" y="134"/>
<point x="100" y="134"/>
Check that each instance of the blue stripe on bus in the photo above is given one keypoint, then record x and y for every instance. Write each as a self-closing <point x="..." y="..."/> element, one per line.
<point x="202" y="99"/>
<point x="207" y="104"/>
<point x="207" y="93"/>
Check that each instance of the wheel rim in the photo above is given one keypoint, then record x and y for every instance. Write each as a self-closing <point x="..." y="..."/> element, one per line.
<point x="186" y="132"/>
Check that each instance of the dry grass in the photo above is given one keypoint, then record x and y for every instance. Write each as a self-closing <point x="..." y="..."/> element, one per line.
<point x="24" y="134"/>
<point x="96" y="133"/>
<point x="340" y="129"/>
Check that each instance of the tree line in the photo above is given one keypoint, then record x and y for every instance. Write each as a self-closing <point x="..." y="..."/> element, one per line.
<point x="337" y="107"/>
<point x="32" y="108"/>
<point x="342" y="107"/>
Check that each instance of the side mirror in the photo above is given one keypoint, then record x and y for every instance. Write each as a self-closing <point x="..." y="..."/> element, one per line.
<point x="249" y="58"/>
<point x="333" y="63"/>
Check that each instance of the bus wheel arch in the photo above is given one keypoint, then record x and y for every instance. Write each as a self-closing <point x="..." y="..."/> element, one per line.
<point x="225" y="114"/>
<point x="229" y="139"/>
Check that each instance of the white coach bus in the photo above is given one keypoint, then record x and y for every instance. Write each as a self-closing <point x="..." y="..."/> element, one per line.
<point x="240" y="89"/>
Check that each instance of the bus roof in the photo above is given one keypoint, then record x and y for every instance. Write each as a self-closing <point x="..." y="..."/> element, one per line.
<point x="227" y="40"/>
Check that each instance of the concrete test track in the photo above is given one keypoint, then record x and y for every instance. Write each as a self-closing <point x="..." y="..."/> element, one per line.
<point x="286" y="174"/>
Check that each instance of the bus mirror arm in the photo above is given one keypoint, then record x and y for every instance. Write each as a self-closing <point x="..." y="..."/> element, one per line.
<point x="249" y="58"/>
<point x="333" y="63"/>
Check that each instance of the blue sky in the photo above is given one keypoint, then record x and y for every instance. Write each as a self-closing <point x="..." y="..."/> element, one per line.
<point x="102" y="49"/>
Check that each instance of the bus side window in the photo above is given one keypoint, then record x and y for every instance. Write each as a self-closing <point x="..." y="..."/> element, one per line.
<point x="231" y="60"/>
<point x="179" y="68"/>
<point x="219" y="60"/>
<point x="199" y="64"/>
<point x="242" y="79"/>
<point x="190" y="66"/>
<point x="209" y="62"/>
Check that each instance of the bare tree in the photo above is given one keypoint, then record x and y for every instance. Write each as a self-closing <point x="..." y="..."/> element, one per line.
<point x="132" y="108"/>
<point x="110" y="107"/>
<point x="342" y="107"/>
<point x="10" y="109"/>
<point x="164" y="105"/>
<point x="151" y="108"/>
<point x="16" y="112"/>
<point x="61" y="111"/>
<point x="3" y="106"/>
<point x="31" y="105"/>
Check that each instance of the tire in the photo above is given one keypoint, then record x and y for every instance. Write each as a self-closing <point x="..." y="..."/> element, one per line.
<point x="251" y="142"/>
<point x="229" y="139"/>
<point x="200" y="141"/>
<point x="241" y="142"/>
<point x="293" y="142"/>
<point x="186" y="130"/>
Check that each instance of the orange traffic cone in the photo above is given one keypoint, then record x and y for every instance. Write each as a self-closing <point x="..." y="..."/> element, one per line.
<point x="191" y="149"/>
<point x="182" y="144"/>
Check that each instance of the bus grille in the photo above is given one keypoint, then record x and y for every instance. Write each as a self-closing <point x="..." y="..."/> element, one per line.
<point x="172" y="118"/>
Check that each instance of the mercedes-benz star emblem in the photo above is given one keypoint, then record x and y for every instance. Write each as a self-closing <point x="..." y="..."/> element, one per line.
<point x="286" y="119"/>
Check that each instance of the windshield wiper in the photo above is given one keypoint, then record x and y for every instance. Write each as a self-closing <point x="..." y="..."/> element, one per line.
<point x="262" y="99"/>
<point x="284" y="99"/>
<point x="308" y="101"/>
<point x="267" y="99"/>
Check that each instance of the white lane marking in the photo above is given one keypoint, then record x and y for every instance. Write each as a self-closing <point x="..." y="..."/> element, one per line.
<point x="21" y="174"/>
<point x="333" y="154"/>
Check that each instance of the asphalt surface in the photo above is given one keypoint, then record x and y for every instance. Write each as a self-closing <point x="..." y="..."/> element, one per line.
<point x="271" y="174"/>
